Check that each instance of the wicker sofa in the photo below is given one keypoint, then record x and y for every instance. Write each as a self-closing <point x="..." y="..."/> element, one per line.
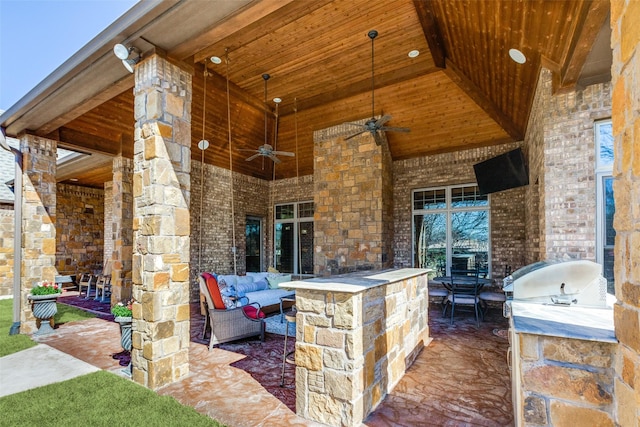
<point x="233" y="310"/>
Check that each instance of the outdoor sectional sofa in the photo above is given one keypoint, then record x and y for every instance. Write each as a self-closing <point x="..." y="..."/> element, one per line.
<point x="233" y="305"/>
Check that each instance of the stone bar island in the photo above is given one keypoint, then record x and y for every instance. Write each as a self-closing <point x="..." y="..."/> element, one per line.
<point x="356" y="334"/>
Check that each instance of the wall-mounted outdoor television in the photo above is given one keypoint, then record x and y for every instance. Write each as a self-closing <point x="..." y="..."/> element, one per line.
<point x="508" y="170"/>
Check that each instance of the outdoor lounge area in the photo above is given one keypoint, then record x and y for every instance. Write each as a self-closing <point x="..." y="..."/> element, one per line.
<point x="477" y="394"/>
<point x="360" y="149"/>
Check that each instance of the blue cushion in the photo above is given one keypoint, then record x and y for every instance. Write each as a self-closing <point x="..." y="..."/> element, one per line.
<point x="257" y="276"/>
<point x="243" y="287"/>
<point x="274" y="281"/>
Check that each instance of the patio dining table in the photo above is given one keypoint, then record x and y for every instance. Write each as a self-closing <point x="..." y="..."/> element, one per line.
<point x="465" y="280"/>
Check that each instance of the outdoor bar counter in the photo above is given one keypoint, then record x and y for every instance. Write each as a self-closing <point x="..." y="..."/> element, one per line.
<point x="356" y="334"/>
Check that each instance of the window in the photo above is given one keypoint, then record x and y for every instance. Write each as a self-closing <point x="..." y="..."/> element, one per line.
<point x="451" y="229"/>
<point x="605" y="234"/>
<point x="294" y="238"/>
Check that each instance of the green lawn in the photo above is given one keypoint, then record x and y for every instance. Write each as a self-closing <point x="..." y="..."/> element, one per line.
<point x="97" y="399"/>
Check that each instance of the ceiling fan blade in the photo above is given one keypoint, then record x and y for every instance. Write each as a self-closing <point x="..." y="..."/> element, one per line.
<point x="255" y="156"/>
<point x="356" y="124"/>
<point x="394" y="129"/>
<point x="246" y="149"/>
<point x="274" y="158"/>
<point x="283" y="153"/>
<point x="378" y="138"/>
<point x="382" y="120"/>
<point x="355" y="134"/>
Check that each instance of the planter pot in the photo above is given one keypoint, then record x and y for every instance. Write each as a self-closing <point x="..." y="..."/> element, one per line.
<point x="125" y="338"/>
<point x="44" y="307"/>
<point x="125" y="331"/>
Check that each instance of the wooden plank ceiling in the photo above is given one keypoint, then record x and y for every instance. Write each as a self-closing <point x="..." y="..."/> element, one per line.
<point x="462" y="90"/>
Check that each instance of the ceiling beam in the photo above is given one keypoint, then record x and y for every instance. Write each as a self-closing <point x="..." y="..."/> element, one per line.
<point x="483" y="101"/>
<point x="431" y="31"/>
<point x="590" y="21"/>
<point x="93" y="144"/>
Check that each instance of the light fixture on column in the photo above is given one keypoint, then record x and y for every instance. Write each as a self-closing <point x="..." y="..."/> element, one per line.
<point x="124" y="53"/>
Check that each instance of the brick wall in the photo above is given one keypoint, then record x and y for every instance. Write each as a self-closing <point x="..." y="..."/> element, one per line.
<point x="79" y="229"/>
<point x="507" y="207"/>
<point x="7" y="232"/>
<point x="625" y="41"/>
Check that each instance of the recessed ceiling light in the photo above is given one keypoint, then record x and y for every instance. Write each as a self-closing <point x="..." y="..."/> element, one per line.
<point x="216" y="60"/>
<point x="73" y="179"/>
<point x="414" y="53"/>
<point x="517" y="56"/>
<point x="277" y="100"/>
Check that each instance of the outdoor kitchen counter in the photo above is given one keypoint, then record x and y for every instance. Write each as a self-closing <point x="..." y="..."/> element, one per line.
<point x="576" y="322"/>
<point x="356" y="335"/>
<point x="356" y="282"/>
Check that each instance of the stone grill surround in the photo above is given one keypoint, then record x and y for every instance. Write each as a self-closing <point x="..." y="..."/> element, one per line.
<point x="356" y="335"/>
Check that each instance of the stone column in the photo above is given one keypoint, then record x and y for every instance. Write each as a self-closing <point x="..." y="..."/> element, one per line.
<point x="353" y="187"/>
<point x="122" y="229"/>
<point x="625" y="41"/>
<point x="38" y="219"/>
<point x="161" y="227"/>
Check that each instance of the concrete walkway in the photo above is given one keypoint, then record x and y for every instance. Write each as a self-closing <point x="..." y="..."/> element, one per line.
<point x="38" y="366"/>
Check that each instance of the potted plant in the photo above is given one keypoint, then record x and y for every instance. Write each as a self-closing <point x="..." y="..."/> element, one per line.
<point x="122" y="313"/>
<point x="43" y="305"/>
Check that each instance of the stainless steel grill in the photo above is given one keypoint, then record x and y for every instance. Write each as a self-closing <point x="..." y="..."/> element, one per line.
<point x="563" y="283"/>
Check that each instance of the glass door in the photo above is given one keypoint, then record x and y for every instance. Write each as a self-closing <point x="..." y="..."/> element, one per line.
<point x="253" y="238"/>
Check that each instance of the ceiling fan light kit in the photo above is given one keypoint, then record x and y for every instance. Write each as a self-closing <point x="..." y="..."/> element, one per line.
<point x="373" y="125"/>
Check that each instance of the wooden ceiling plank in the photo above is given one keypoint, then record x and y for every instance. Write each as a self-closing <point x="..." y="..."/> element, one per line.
<point x="89" y="142"/>
<point x="593" y="16"/>
<point x="485" y="103"/>
<point x="424" y="9"/>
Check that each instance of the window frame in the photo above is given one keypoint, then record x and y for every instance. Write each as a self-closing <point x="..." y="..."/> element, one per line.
<point x="296" y="220"/>
<point x="449" y="210"/>
<point x="602" y="172"/>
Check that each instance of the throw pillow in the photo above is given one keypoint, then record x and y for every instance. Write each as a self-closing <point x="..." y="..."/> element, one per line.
<point x="257" y="275"/>
<point x="274" y="281"/>
<point x="252" y="312"/>
<point x="214" y="291"/>
<point x="225" y="294"/>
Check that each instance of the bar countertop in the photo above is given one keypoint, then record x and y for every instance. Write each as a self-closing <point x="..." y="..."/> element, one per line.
<point x="357" y="281"/>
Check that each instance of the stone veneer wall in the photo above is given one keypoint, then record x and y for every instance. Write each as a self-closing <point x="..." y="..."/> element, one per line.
<point x="507" y="207"/>
<point x="7" y="233"/>
<point x="108" y="226"/>
<point x="352" y="182"/>
<point x="79" y="229"/>
<point x="566" y="382"/>
<point x="625" y="41"/>
<point x="353" y="348"/>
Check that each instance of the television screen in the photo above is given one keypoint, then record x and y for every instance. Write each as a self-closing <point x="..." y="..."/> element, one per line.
<point x="502" y="172"/>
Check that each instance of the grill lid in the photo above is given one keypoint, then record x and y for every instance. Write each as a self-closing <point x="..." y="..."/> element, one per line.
<point x="560" y="282"/>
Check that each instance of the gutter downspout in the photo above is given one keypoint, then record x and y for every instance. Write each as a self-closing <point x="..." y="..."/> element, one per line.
<point x="17" y="234"/>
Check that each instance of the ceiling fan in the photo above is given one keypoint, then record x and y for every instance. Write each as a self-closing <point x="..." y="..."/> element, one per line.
<point x="372" y="125"/>
<point x="267" y="150"/>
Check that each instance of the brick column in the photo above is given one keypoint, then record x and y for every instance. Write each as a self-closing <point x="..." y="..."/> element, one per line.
<point x="161" y="185"/>
<point x="625" y="41"/>
<point x="353" y="188"/>
<point x="38" y="219"/>
<point x="122" y="229"/>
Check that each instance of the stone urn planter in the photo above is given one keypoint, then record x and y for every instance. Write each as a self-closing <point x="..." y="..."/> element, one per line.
<point x="125" y="337"/>
<point x="44" y="307"/>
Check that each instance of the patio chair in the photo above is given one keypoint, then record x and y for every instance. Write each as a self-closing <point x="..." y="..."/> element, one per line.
<point x="103" y="286"/>
<point x="228" y="324"/>
<point x="86" y="281"/>
<point x="465" y="289"/>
